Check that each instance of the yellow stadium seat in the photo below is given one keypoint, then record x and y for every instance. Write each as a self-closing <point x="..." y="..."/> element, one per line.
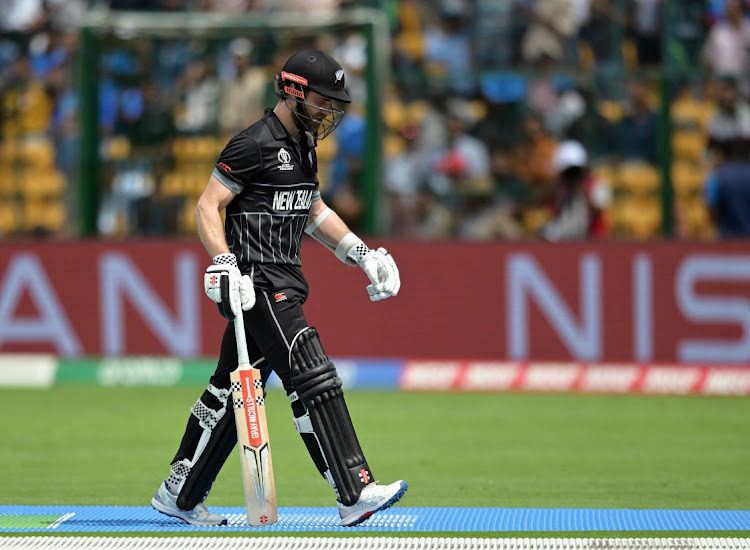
<point x="393" y="144"/>
<point x="687" y="178"/>
<point x="688" y="145"/>
<point x="416" y="111"/>
<point x="180" y="148"/>
<point x="639" y="217"/>
<point x="7" y="183"/>
<point x="394" y="114"/>
<point x="611" y="110"/>
<point x="44" y="184"/>
<point x="195" y="183"/>
<point x="695" y="217"/>
<point x="606" y="173"/>
<point x="38" y="154"/>
<point x="173" y="183"/>
<point x="204" y="148"/>
<point x="410" y="42"/>
<point x="637" y="178"/>
<point x="688" y="112"/>
<point x="8" y="217"/>
<point x="117" y="148"/>
<point x="50" y="215"/>
<point x="7" y="151"/>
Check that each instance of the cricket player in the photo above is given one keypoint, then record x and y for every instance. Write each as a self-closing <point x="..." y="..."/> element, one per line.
<point x="266" y="180"/>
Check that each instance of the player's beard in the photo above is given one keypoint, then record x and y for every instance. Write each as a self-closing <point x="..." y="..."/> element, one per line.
<point x="304" y="121"/>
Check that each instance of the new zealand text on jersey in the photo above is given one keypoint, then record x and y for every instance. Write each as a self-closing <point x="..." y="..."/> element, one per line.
<point x="292" y="200"/>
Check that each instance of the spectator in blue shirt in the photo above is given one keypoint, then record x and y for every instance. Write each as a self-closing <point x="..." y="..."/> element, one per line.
<point x="638" y="128"/>
<point x="727" y="189"/>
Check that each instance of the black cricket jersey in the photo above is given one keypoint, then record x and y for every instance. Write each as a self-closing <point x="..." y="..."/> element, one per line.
<point x="275" y="178"/>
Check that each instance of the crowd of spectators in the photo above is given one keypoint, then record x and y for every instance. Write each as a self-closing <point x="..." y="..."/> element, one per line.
<point x="497" y="115"/>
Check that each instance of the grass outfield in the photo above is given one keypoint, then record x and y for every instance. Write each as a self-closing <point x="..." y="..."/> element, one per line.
<point x="94" y="446"/>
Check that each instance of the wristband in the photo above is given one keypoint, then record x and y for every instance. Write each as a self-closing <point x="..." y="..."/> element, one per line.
<point x="225" y="259"/>
<point x="347" y="242"/>
<point x="358" y="251"/>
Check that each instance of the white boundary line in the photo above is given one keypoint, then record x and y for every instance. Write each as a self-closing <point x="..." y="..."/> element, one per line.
<point x="60" y="520"/>
<point x="374" y="543"/>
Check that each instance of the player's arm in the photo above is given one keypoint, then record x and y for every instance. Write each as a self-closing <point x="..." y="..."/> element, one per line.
<point x="239" y="163"/>
<point x="223" y="282"/>
<point x="214" y="199"/>
<point x="325" y="226"/>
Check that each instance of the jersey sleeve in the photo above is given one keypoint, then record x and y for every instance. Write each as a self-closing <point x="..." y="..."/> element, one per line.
<point x="239" y="164"/>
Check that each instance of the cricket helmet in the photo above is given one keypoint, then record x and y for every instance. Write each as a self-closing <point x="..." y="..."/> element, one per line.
<point x="317" y="71"/>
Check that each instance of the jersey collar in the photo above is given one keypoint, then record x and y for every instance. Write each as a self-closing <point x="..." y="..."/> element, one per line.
<point x="274" y="124"/>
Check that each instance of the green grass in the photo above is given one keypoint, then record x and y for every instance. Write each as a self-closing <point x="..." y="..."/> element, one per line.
<point x="94" y="446"/>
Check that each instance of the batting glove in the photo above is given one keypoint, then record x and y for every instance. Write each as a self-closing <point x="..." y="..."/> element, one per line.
<point x="225" y="285"/>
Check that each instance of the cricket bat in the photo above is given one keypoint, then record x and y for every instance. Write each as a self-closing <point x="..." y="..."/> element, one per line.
<point x="252" y="436"/>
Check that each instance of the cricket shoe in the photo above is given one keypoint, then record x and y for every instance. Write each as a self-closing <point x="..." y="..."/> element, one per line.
<point x="373" y="498"/>
<point x="166" y="503"/>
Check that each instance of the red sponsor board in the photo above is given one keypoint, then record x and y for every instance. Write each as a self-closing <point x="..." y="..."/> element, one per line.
<point x="528" y="376"/>
<point x="593" y="302"/>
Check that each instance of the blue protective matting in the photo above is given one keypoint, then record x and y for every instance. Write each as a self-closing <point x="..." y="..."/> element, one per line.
<point x="79" y="519"/>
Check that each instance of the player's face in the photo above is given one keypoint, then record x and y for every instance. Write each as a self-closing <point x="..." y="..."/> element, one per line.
<point x="319" y="105"/>
<point x="316" y="113"/>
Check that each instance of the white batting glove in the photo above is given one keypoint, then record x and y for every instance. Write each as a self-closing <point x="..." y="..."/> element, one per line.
<point x="226" y="286"/>
<point x="381" y="269"/>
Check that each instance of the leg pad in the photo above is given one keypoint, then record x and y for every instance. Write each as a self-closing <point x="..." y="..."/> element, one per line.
<point x="208" y="441"/>
<point x="319" y="388"/>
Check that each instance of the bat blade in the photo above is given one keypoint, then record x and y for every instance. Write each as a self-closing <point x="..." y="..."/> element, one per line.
<point x="255" y="449"/>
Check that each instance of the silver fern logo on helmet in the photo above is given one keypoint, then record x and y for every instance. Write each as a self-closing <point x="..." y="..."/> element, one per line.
<point x="339" y="74"/>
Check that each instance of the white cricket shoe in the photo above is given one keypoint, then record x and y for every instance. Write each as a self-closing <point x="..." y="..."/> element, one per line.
<point x="166" y="503"/>
<point x="373" y="498"/>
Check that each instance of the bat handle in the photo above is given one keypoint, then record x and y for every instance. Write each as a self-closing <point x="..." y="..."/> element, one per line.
<point x="239" y="335"/>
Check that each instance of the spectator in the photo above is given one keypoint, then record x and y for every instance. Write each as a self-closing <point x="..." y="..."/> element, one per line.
<point x="242" y="98"/>
<point x="434" y="219"/>
<point x="716" y="10"/>
<point x="27" y="101"/>
<point x="462" y="166"/>
<point x="568" y="110"/>
<point x="151" y="132"/>
<point x="689" y="31"/>
<point x="342" y="191"/>
<point x="533" y="156"/>
<point x="732" y="118"/>
<point x="727" y="190"/>
<point x="20" y="19"/>
<point x="638" y="128"/>
<point x="196" y="113"/>
<point x="352" y="51"/>
<point x="404" y="178"/>
<point x="503" y="93"/>
<point x="580" y="199"/>
<point x="645" y="27"/>
<point x="726" y="51"/>
<point x="490" y="211"/>
<point x="447" y="47"/>
<point x="551" y="32"/>
<point x="597" y="33"/>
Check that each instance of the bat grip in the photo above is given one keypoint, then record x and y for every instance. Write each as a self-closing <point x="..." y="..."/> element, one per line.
<point x="239" y="335"/>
